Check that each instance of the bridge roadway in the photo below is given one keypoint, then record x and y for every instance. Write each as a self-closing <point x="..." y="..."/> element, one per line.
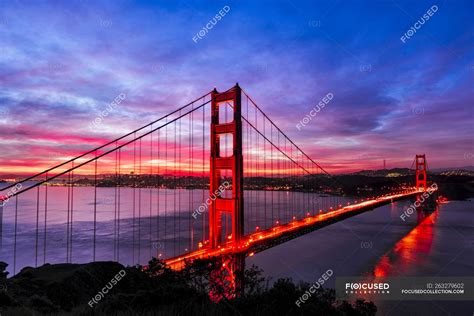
<point x="276" y="235"/>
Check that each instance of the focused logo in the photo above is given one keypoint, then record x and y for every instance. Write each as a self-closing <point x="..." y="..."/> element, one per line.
<point x="367" y="287"/>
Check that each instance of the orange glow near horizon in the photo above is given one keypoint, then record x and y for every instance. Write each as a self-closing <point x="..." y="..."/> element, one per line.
<point x="27" y="170"/>
<point x="185" y="167"/>
<point x="163" y="159"/>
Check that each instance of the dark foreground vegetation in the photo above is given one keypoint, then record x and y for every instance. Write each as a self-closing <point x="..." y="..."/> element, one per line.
<point x="68" y="289"/>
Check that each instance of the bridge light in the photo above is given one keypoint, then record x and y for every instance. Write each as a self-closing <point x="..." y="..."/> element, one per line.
<point x="251" y="254"/>
<point x="278" y="222"/>
<point x="257" y="228"/>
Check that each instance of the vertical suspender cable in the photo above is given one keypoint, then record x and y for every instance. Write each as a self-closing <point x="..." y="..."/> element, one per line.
<point x="72" y="212"/>
<point x="118" y="202"/>
<point x="174" y="191"/>
<point x="161" y="246"/>
<point x="15" y="235"/>
<point x="134" y="197"/>
<point x="189" y="183"/>
<point x="149" y="184"/>
<point x="95" y="209"/>
<point x="45" y="218"/>
<point x="165" y="237"/>
<point x="264" y="176"/>
<point x="203" y="215"/>
<point x="37" y="225"/>
<point x="179" y="179"/>
<point x="140" y="179"/>
<point x="68" y="215"/>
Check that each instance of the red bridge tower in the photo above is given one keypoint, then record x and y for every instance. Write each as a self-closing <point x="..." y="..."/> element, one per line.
<point x="223" y="206"/>
<point x="232" y="166"/>
<point x="420" y="172"/>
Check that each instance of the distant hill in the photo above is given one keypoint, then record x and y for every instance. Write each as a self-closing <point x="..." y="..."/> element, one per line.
<point x="395" y="172"/>
<point x="465" y="168"/>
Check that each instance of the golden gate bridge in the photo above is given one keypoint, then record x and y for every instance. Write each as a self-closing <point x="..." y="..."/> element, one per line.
<point x="178" y="190"/>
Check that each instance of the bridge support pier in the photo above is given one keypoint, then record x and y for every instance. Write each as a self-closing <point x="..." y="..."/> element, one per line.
<point x="228" y="280"/>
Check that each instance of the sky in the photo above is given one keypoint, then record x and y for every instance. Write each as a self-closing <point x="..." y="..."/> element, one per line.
<point x="63" y="62"/>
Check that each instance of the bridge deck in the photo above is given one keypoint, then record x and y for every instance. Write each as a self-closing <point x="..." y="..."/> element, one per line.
<point x="276" y="235"/>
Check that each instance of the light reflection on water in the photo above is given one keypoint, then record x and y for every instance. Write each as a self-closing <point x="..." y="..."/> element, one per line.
<point x="413" y="249"/>
<point x="380" y="243"/>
